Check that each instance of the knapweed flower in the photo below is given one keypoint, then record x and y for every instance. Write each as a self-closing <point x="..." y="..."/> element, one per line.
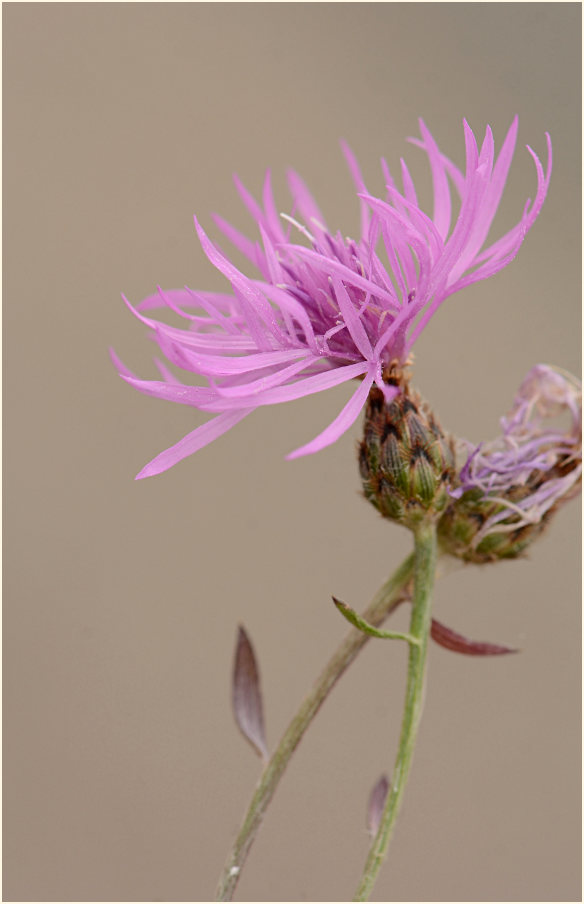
<point x="509" y="488"/>
<point x="331" y="310"/>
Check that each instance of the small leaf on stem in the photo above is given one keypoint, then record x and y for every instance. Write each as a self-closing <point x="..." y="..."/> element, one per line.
<point x="376" y="804"/>
<point x="364" y="626"/>
<point x="246" y="695"/>
<point x="448" y="638"/>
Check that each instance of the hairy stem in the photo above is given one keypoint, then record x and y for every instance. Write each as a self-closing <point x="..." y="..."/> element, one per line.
<point x="389" y="595"/>
<point x="424" y="574"/>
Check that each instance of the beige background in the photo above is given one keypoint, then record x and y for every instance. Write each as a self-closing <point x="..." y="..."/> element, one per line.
<point x="125" y="777"/>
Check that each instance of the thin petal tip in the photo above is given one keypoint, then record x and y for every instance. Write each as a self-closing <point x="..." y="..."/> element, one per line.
<point x="147" y="471"/>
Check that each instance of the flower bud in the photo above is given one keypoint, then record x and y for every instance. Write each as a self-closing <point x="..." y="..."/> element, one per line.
<point x="510" y="488"/>
<point x="405" y="461"/>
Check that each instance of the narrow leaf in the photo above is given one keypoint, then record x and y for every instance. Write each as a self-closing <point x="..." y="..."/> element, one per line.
<point x="376" y="804"/>
<point x="364" y="626"/>
<point x="448" y="638"/>
<point x="246" y="695"/>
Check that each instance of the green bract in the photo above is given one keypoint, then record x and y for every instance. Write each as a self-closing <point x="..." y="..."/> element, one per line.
<point x="405" y="460"/>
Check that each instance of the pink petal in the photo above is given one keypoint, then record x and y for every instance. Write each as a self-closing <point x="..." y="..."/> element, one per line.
<point x="341" y="423"/>
<point x="451" y="169"/>
<point x="305" y="202"/>
<point x="263" y="383"/>
<point x="500" y="173"/>
<point x="286" y="302"/>
<point x="151" y="302"/>
<point x="483" y="217"/>
<point x="166" y="374"/>
<point x="193" y="339"/>
<point x="409" y="193"/>
<point x="442" y="201"/>
<point x="303" y="387"/>
<point x="529" y="215"/>
<point x="237" y="238"/>
<point x="273" y="221"/>
<point x="256" y="305"/>
<point x="348" y="276"/>
<point x="352" y="319"/>
<point x="355" y="171"/>
<point x="257" y="311"/>
<point x="402" y="232"/>
<point x="224" y="365"/>
<point x="486" y="270"/>
<point x="192" y="442"/>
<point x="173" y="392"/>
<point x="120" y="366"/>
<point x="274" y="268"/>
<point x="217" y="259"/>
<point x="226" y="323"/>
<point x="249" y="201"/>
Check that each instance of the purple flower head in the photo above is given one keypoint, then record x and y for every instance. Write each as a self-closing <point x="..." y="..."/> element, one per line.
<point x="321" y="309"/>
<point x="537" y="460"/>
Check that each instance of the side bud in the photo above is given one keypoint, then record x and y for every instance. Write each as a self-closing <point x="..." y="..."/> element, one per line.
<point x="511" y="487"/>
<point x="405" y="461"/>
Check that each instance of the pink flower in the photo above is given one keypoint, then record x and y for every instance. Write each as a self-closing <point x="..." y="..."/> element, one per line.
<point x="333" y="310"/>
<point x="536" y="463"/>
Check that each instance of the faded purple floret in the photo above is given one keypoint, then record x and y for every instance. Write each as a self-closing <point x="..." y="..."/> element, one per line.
<point x="536" y="440"/>
<point x="332" y="309"/>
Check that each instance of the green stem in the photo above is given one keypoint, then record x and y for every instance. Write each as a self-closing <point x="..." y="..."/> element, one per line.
<point x="389" y="595"/>
<point x="424" y="573"/>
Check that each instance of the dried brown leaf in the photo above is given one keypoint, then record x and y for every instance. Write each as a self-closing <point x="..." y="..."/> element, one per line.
<point x="376" y="804"/>
<point x="246" y="695"/>
<point x="448" y="638"/>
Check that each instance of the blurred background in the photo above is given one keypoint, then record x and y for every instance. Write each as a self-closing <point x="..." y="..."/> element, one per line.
<point x="125" y="776"/>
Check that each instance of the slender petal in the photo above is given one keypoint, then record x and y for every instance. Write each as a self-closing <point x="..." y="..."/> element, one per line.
<point x="355" y="171"/>
<point x="240" y="241"/>
<point x="297" y="390"/>
<point x="193" y="441"/>
<point x="341" y="423"/>
<point x="305" y="203"/>
<point x="172" y="392"/>
<point x="442" y="203"/>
